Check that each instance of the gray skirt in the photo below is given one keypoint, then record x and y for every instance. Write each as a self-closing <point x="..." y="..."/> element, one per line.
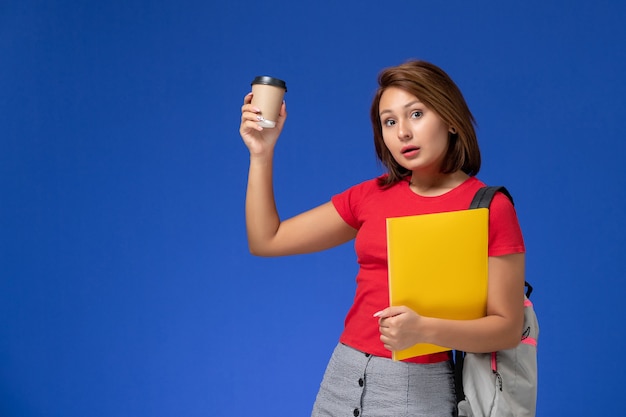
<point x="356" y="384"/>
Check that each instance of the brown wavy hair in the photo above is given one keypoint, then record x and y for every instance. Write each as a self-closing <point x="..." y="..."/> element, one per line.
<point x="433" y="87"/>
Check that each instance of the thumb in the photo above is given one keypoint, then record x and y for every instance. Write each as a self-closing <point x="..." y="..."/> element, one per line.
<point x="389" y="312"/>
<point x="282" y="116"/>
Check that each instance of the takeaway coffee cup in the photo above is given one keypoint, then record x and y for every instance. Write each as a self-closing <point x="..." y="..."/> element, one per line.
<point x="267" y="95"/>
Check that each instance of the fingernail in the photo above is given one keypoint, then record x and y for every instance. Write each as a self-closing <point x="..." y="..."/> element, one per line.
<point x="260" y="118"/>
<point x="378" y="313"/>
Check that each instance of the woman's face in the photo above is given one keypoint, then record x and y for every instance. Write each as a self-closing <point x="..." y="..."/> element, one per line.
<point x="414" y="134"/>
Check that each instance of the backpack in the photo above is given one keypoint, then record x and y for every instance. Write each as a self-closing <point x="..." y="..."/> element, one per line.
<point x="503" y="383"/>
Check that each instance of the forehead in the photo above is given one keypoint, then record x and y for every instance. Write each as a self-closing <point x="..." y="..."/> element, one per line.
<point x="394" y="97"/>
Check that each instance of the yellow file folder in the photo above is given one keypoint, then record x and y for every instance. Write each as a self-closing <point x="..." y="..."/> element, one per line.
<point x="438" y="267"/>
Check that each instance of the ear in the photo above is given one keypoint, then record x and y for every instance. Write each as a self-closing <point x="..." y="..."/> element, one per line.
<point x="452" y="130"/>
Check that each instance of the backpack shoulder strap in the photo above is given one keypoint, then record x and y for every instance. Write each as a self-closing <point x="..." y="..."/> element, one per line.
<point x="483" y="197"/>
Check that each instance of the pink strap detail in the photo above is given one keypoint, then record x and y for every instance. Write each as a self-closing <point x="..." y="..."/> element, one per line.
<point x="530" y="341"/>
<point x="494" y="362"/>
<point x="527" y="303"/>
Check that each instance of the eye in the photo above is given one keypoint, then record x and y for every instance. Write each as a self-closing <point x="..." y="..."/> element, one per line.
<point x="389" y="122"/>
<point x="416" y="114"/>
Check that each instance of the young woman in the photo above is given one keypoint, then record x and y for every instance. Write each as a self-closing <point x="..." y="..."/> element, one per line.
<point x="424" y="135"/>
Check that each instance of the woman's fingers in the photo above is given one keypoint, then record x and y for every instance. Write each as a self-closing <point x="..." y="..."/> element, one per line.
<point x="247" y="105"/>
<point x="250" y="115"/>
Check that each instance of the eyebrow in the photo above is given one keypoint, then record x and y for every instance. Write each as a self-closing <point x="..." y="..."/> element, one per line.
<point x="409" y="104"/>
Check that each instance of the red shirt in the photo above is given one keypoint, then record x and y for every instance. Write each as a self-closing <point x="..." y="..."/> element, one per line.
<point x="366" y="206"/>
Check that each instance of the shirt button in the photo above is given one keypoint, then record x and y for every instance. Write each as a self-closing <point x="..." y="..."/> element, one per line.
<point x="361" y="382"/>
<point x="356" y="412"/>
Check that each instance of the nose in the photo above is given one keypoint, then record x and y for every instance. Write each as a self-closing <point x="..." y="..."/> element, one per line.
<point x="404" y="130"/>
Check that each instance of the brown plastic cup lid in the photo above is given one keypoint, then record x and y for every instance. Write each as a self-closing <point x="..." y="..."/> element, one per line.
<point x="267" y="80"/>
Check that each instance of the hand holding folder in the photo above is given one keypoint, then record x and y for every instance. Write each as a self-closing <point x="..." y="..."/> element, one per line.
<point x="438" y="267"/>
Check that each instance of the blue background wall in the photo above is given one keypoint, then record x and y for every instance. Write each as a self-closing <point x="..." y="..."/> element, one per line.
<point x="126" y="286"/>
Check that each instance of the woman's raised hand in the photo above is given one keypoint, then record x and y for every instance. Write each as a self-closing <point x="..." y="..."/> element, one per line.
<point x="260" y="141"/>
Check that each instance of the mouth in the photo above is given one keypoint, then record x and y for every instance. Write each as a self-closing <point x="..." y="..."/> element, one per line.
<point x="410" y="150"/>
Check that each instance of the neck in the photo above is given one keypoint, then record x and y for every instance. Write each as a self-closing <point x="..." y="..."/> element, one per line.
<point x="436" y="185"/>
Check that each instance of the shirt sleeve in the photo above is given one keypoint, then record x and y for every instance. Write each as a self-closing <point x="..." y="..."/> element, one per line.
<point x="505" y="234"/>
<point x="349" y="204"/>
<point x="344" y="203"/>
